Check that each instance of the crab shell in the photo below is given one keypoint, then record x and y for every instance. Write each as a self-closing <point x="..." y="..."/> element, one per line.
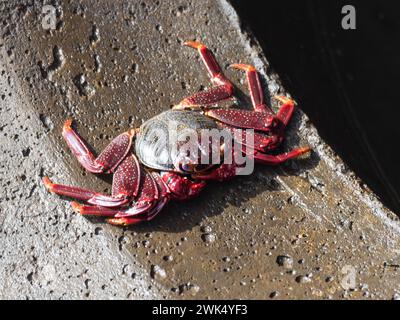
<point x="161" y="138"/>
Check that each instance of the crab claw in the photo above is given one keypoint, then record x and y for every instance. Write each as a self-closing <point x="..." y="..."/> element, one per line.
<point x="222" y="173"/>
<point x="182" y="188"/>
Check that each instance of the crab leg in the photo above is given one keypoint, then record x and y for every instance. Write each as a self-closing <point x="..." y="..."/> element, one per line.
<point x="222" y="173"/>
<point x="148" y="194"/>
<point x="213" y="68"/>
<point x="126" y="221"/>
<point x="227" y="171"/>
<point x="108" y="159"/>
<point x="125" y="186"/>
<point x="246" y="119"/>
<point x="285" y="111"/>
<point x="164" y="198"/>
<point x="257" y="95"/>
<point x="256" y="91"/>
<point x="126" y="181"/>
<point x="260" y="142"/>
<point x="223" y="89"/>
<point x="85" y="194"/>
<point x="280" y="158"/>
<point x="260" y="121"/>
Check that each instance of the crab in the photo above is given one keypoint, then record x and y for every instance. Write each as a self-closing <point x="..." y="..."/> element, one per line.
<point x="144" y="182"/>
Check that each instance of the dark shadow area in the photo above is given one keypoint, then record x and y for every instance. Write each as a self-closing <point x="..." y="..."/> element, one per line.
<point x="180" y="216"/>
<point x="344" y="80"/>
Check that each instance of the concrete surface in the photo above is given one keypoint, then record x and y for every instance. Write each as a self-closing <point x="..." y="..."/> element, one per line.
<point x="304" y="230"/>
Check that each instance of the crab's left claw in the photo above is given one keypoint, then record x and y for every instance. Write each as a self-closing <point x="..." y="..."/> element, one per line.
<point x="223" y="173"/>
<point x="182" y="188"/>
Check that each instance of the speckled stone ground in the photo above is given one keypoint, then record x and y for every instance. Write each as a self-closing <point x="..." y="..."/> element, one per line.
<point x="308" y="229"/>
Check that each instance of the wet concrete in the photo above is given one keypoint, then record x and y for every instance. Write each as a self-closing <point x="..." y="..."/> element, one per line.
<point x="297" y="231"/>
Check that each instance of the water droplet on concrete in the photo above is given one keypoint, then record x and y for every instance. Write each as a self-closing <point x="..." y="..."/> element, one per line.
<point x="146" y="243"/>
<point x="157" y="272"/>
<point x="168" y="258"/>
<point x="247" y="211"/>
<point x="84" y="88"/>
<point x="95" y="35"/>
<point x="206" y="229"/>
<point x="303" y="279"/>
<point x="285" y="261"/>
<point x="208" y="237"/>
<point x="189" y="288"/>
<point x="97" y="63"/>
<point x="46" y="121"/>
<point x="56" y="65"/>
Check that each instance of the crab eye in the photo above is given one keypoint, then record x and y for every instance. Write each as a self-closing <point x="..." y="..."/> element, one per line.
<point x="186" y="167"/>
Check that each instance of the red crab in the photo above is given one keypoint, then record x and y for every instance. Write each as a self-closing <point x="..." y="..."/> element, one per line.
<point x="144" y="182"/>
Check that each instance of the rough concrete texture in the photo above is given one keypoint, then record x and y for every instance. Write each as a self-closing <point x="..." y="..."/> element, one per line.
<point x="297" y="231"/>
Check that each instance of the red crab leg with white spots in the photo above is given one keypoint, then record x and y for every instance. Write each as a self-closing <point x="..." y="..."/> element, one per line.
<point x="257" y="96"/>
<point x="279" y="158"/>
<point x="138" y="213"/>
<point x="223" y="89"/>
<point x="261" y="121"/>
<point x="256" y="91"/>
<point x="285" y="111"/>
<point x="155" y="210"/>
<point x="148" y="194"/>
<point x="259" y="141"/>
<point x="126" y="221"/>
<point x="108" y="159"/>
<point x="228" y="171"/>
<point x="261" y="118"/>
<point x="245" y="119"/>
<point x="125" y="186"/>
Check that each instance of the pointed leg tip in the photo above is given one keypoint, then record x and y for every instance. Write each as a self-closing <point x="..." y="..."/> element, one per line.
<point x="76" y="207"/>
<point x="285" y="100"/>
<point x="117" y="222"/>
<point x="241" y="66"/>
<point x="67" y="125"/>
<point x="48" y="184"/>
<point x="194" y="44"/>
<point x="133" y="132"/>
<point x="304" y="150"/>
<point x="181" y="105"/>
